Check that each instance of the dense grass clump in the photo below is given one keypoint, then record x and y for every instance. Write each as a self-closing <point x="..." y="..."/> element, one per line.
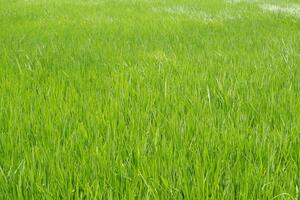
<point x="149" y="99"/>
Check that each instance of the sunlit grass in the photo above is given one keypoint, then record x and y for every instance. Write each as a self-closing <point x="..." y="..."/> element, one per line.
<point x="142" y="99"/>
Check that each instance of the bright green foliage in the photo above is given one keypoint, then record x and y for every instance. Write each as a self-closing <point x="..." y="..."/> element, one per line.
<point x="149" y="99"/>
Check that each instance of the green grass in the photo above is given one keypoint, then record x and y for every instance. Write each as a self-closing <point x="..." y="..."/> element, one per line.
<point x="149" y="99"/>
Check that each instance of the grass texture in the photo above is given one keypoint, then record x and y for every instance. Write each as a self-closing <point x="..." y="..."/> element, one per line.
<point x="149" y="99"/>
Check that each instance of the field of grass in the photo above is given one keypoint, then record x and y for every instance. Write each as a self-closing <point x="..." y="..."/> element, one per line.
<point x="149" y="99"/>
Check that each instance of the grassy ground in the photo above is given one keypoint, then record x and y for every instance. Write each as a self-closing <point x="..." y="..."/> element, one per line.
<point x="149" y="99"/>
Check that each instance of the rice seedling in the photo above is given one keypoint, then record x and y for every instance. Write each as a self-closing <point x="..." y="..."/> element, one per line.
<point x="149" y="99"/>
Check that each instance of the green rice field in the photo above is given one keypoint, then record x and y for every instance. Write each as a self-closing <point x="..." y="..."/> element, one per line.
<point x="150" y="99"/>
